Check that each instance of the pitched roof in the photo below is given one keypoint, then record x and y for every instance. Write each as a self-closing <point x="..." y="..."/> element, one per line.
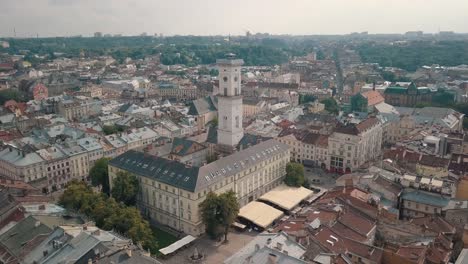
<point x="395" y="90"/>
<point x="426" y="198"/>
<point x="20" y="236"/>
<point x="183" y="146"/>
<point x="163" y="170"/>
<point x="373" y="97"/>
<point x="356" y="129"/>
<point x="203" y="105"/>
<point x="194" y="178"/>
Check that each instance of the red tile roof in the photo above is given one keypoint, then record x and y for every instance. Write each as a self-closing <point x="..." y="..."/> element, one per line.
<point x="373" y="97"/>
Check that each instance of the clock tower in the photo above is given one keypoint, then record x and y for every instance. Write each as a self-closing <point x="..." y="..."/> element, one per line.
<point x="230" y="129"/>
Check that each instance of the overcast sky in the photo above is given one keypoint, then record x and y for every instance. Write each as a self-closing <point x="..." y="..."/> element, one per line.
<point x="212" y="17"/>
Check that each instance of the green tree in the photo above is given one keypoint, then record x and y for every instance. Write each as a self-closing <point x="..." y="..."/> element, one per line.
<point x="99" y="174"/>
<point x="330" y="105"/>
<point x="229" y="210"/>
<point x="294" y="174"/>
<point x="219" y="212"/>
<point x="215" y="121"/>
<point x="108" y="130"/>
<point x="125" y="188"/>
<point x="108" y="214"/>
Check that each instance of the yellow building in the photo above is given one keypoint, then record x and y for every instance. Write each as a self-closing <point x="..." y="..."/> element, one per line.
<point x="170" y="192"/>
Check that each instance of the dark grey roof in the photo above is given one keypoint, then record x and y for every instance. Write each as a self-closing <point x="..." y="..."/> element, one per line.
<point x="75" y="249"/>
<point x="249" y="140"/>
<point x="27" y="231"/>
<point x="212" y="135"/>
<point x="121" y="257"/>
<point x="163" y="170"/>
<point x="6" y="202"/>
<point x="203" y="105"/>
<point x="195" y="178"/>
<point x="124" y="108"/>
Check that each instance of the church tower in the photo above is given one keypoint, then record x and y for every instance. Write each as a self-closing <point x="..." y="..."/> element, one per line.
<point x="230" y="129"/>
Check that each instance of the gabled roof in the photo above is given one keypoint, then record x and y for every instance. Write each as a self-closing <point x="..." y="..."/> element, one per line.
<point x="356" y="129"/>
<point x="182" y="146"/>
<point x="21" y="236"/>
<point x="426" y="198"/>
<point x="195" y="178"/>
<point x="163" y="170"/>
<point x="203" y="105"/>
<point x="373" y="97"/>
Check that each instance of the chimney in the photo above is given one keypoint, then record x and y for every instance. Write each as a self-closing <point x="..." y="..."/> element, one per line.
<point x="90" y="261"/>
<point x="279" y="246"/>
<point x="257" y="247"/>
<point x="85" y="227"/>
<point x="97" y="232"/>
<point x="129" y="252"/>
<point x="37" y="224"/>
<point x="272" y="258"/>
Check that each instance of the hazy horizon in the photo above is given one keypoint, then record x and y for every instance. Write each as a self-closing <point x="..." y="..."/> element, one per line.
<point x="49" y="18"/>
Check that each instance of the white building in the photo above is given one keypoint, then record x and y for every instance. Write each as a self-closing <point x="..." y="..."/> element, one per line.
<point x="230" y="130"/>
<point x="351" y="146"/>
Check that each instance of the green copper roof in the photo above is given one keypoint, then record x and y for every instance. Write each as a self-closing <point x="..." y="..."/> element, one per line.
<point x="395" y="90"/>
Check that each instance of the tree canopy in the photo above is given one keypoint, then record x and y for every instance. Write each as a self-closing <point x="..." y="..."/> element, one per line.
<point x="219" y="212"/>
<point x="125" y="188"/>
<point x="412" y="55"/>
<point x="294" y="174"/>
<point x="108" y="214"/>
<point x="330" y="105"/>
<point x="99" y="174"/>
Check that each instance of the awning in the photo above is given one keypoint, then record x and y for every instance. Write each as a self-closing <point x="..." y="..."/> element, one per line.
<point x="409" y="177"/>
<point x="260" y="214"/>
<point x="238" y="225"/>
<point x="286" y="197"/>
<point x="437" y="183"/>
<point x="177" y="245"/>
<point x="425" y="180"/>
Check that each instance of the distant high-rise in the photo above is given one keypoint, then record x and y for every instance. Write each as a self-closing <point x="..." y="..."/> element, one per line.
<point x="98" y="34"/>
<point x="230" y="130"/>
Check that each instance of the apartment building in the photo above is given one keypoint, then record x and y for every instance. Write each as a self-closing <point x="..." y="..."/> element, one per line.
<point x="351" y="146"/>
<point x="18" y="164"/>
<point x="57" y="166"/>
<point x="171" y="192"/>
<point x="72" y="110"/>
<point x="79" y="161"/>
<point x="307" y="147"/>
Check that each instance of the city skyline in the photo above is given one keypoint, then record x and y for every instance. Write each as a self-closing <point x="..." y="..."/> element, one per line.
<point x="49" y="18"/>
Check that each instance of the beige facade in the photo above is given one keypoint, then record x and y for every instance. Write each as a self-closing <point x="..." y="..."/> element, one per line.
<point x="19" y="165"/>
<point x="73" y="110"/>
<point x="181" y="93"/>
<point x="354" y="145"/>
<point x="308" y="148"/>
<point x="174" y="200"/>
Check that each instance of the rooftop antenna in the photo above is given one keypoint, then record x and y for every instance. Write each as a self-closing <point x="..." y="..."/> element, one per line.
<point x="14" y="31"/>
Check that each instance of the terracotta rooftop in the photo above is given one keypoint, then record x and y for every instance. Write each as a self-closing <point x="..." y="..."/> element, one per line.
<point x="373" y="97"/>
<point x="435" y="224"/>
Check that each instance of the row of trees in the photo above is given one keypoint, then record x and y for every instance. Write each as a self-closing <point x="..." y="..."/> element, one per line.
<point x="109" y="213"/>
<point x="415" y="54"/>
<point x="218" y="211"/>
